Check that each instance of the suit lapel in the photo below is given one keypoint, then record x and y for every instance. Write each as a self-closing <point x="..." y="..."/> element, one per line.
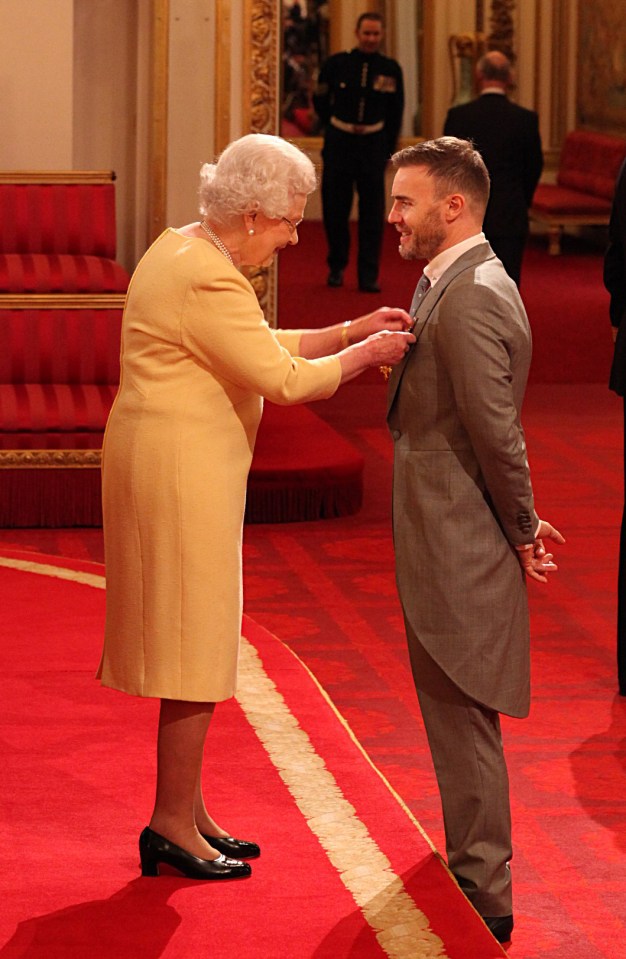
<point x="478" y="254"/>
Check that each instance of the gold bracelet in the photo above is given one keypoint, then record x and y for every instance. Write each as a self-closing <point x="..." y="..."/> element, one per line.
<point x="344" y="341"/>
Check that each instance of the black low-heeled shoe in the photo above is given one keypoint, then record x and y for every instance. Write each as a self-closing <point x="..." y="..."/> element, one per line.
<point x="155" y="849"/>
<point x="237" y="848"/>
<point x="500" y="927"/>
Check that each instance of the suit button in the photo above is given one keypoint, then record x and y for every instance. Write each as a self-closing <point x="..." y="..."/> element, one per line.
<point x="396" y="434"/>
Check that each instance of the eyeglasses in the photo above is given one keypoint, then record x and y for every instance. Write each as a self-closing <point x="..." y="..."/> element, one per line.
<point x="292" y="226"/>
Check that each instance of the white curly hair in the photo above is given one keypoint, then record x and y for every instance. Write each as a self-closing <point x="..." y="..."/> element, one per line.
<point x="257" y="172"/>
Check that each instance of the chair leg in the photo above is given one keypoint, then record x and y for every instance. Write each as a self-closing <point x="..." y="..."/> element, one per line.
<point x="554" y="239"/>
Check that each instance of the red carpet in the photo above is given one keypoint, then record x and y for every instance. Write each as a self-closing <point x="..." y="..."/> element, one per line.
<point x="327" y="589"/>
<point x="345" y="871"/>
<point x="567" y="761"/>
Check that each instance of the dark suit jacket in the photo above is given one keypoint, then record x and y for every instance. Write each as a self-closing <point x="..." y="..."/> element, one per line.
<point x="507" y="137"/>
<point x="462" y="494"/>
<point x="615" y="281"/>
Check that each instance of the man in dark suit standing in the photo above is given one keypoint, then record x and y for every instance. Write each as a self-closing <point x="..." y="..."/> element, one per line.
<point x="359" y="99"/>
<point x="466" y="534"/>
<point x="507" y="137"/>
<point x="615" y="282"/>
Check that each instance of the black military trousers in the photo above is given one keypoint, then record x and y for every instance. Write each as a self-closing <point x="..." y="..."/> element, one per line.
<point x="354" y="161"/>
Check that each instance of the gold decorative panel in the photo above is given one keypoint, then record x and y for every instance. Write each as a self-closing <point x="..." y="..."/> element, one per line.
<point x="601" y="99"/>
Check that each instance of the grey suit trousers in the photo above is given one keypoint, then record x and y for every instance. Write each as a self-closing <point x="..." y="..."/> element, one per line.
<point x="466" y="747"/>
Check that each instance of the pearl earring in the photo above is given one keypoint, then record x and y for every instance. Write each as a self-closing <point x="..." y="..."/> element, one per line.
<point x="250" y="232"/>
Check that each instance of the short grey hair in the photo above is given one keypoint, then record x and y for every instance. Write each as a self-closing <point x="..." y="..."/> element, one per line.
<point x="257" y="172"/>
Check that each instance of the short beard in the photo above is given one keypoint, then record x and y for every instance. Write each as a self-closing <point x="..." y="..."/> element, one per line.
<point x="428" y="242"/>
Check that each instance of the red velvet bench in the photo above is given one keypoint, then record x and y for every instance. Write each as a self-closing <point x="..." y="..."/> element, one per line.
<point x="584" y="188"/>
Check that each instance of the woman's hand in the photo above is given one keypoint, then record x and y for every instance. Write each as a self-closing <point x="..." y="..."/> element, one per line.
<point x="339" y="336"/>
<point x="381" y="349"/>
<point x="386" y="318"/>
<point x="387" y="347"/>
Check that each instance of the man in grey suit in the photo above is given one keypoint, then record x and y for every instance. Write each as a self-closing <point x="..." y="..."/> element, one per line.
<point x="466" y="533"/>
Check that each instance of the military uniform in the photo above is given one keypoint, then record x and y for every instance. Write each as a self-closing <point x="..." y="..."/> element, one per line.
<point x="359" y="100"/>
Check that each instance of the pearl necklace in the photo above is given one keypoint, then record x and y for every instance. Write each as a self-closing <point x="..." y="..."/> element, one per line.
<point x="216" y="240"/>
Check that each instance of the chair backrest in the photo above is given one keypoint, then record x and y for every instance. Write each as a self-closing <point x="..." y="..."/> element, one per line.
<point x="80" y="346"/>
<point x="590" y="162"/>
<point x="75" y="214"/>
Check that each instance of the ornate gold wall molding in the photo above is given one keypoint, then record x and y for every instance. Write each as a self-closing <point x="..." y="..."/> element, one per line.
<point x="601" y="74"/>
<point x="261" y="66"/>
<point x="502" y="28"/>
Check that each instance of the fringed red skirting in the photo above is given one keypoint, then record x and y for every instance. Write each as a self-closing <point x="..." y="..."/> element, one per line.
<point x="302" y="470"/>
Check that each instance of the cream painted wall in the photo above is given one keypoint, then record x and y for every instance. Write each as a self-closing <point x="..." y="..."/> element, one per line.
<point x="452" y="17"/>
<point x="190" y="104"/>
<point x="236" y="68"/>
<point x="404" y="45"/>
<point x="105" y="105"/>
<point x="36" y="84"/>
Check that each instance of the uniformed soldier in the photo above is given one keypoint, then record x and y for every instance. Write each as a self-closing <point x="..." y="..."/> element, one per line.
<point x="359" y="100"/>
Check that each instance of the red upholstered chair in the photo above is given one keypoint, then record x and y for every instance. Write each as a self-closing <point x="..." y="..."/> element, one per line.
<point x="58" y="234"/>
<point x="61" y="300"/>
<point x="584" y="187"/>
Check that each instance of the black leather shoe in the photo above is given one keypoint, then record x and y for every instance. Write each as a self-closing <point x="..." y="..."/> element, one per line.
<point x="236" y="848"/>
<point x="155" y="849"/>
<point x="335" y="278"/>
<point x="369" y="288"/>
<point x="500" y="927"/>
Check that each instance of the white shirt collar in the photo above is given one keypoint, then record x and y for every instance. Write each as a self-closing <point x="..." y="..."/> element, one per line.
<point x="440" y="263"/>
<point x="493" y="90"/>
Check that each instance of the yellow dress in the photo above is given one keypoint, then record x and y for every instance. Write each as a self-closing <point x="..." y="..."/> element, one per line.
<point x="197" y="359"/>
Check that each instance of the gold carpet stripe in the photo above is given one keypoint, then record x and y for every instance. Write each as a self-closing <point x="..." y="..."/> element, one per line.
<point x="398" y="798"/>
<point x="346" y="725"/>
<point x="401" y="928"/>
<point x="59" y="572"/>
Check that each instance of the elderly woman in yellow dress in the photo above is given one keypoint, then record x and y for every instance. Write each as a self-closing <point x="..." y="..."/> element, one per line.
<point x="197" y="359"/>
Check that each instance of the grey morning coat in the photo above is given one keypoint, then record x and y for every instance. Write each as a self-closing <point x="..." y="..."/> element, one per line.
<point x="462" y="495"/>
